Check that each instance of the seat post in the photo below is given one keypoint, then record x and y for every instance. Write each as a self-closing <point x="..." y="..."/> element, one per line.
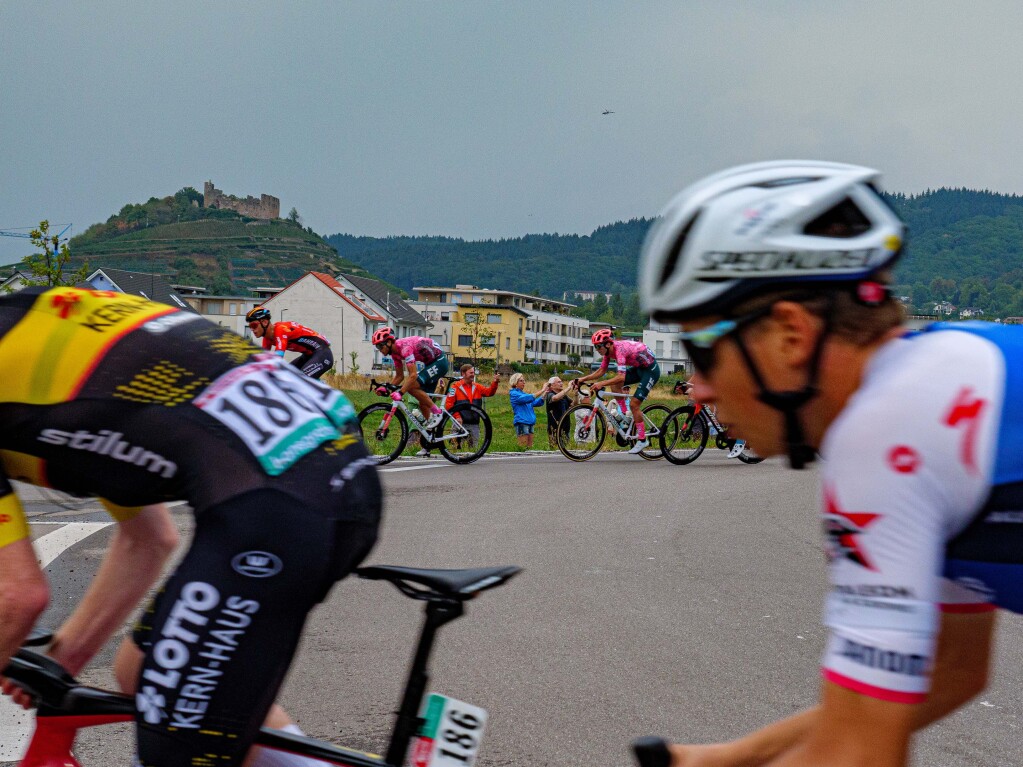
<point x="438" y="612"/>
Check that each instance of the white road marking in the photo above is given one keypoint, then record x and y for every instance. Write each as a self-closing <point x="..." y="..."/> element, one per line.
<point x="417" y="468"/>
<point x="15" y="722"/>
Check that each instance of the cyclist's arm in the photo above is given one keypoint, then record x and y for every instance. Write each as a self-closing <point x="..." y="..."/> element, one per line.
<point x="134" y="560"/>
<point x="596" y="373"/>
<point x="411" y="379"/>
<point x="960" y="673"/>
<point x="24" y="592"/>
<point x="399" y="372"/>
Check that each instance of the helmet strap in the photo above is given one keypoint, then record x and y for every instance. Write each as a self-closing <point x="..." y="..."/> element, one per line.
<point x="789" y="402"/>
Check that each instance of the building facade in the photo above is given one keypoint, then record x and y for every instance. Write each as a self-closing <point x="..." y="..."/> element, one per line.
<point x="549" y="334"/>
<point x="665" y="343"/>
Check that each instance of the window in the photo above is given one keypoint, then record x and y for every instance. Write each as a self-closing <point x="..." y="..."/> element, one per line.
<point x="465" y="340"/>
<point x="477" y="299"/>
<point x="438" y="339"/>
<point x="520" y="344"/>
<point x="233" y="308"/>
<point x="488" y="342"/>
<point x="520" y="325"/>
<point x="472" y="317"/>
<point x="456" y="297"/>
<point x="507" y="343"/>
<point x="659" y="348"/>
<point x="445" y="316"/>
<point x="215" y="307"/>
<point x="494" y="319"/>
<point x="676" y="350"/>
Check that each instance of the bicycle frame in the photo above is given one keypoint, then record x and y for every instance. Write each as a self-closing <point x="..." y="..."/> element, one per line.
<point x="601" y="404"/>
<point x="65" y="705"/>
<point x="416" y="424"/>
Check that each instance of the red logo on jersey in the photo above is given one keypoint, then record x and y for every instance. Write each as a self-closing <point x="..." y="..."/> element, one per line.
<point x="5" y="518"/>
<point x="842" y="529"/>
<point x="903" y="459"/>
<point x="965" y="411"/>
<point x="65" y="303"/>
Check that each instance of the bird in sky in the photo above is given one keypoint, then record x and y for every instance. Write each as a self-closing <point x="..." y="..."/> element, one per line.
<point x="607" y="112"/>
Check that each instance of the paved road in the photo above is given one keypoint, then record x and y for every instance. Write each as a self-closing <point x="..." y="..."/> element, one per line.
<point x="656" y="599"/>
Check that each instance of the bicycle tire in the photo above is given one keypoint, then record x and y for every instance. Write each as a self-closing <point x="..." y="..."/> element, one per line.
<point x="654" y="452"/>
<point x="453" y="452"/>
<point x="685" y="435"/>
<point x="575" y="443"/>
<point x="377" y="442"/>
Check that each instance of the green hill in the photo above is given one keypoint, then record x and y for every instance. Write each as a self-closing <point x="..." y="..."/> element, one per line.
<point x="965" y="246"/>
<point x="218" y="249"/>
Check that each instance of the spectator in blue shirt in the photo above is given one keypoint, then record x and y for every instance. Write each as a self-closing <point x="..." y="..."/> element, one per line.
<point x="522" y="408"/>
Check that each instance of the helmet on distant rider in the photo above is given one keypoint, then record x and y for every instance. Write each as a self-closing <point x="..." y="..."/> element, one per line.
<point x="381" y="335"/>
<point x="602" y="336"/>
<point x="259" y="313"/>
<point x="765" y="226"/>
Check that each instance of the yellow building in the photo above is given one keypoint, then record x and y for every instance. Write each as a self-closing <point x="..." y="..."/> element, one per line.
<point x="488" y="332"/>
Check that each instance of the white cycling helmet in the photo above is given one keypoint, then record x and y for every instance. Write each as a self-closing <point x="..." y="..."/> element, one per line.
<point x="762" y="226"/>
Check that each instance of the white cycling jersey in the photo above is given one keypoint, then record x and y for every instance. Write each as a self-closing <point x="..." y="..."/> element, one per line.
<point x="921" y="472"/>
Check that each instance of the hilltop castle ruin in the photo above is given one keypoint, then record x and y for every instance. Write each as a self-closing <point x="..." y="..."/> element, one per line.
<point x="265" y="207"/>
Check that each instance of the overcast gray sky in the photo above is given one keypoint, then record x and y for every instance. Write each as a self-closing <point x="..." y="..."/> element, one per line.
<point x="482" y="118"/>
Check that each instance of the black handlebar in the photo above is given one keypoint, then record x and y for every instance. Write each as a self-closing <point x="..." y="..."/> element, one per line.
<point x="651" y="752"/>
<point x="374" y="385"/>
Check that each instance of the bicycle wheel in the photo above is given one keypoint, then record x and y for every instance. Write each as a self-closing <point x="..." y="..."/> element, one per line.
<point x="684" y="435"/>
<point x="468" y="448"/>
<point x="748" y="455"/>
<point x="657" y="415"/>
<point x="387" y="443"/>
<point x="577" y="440"/>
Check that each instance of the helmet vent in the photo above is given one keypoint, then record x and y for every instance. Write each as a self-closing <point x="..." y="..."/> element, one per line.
<point x="676" y="250"/>
<point x="792" y="181"/>
<point x="841" y="221"/>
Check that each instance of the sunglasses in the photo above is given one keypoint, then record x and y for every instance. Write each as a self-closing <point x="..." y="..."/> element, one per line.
<point x="699" y="344"/>
<point x="253" y="325"/>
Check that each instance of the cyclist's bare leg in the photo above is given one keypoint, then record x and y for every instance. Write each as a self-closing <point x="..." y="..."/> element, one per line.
<point x="426" y="405"/>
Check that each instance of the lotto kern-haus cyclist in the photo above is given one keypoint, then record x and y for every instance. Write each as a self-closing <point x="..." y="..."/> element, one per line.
<point x="779" y="274"/>
<point x="315" y="356"/>
<point x="111" y="395"/>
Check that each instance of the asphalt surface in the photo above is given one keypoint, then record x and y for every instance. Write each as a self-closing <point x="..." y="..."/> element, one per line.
<point x="681" y="601"/>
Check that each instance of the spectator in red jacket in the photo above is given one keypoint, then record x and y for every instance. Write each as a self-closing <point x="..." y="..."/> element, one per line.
<point x="467" y="390"/>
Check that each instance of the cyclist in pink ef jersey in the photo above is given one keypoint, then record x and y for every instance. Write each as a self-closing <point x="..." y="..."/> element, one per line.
<point x="636" y="365"/>
<point x="406" y="352"/>
<point x="778" y="273"/>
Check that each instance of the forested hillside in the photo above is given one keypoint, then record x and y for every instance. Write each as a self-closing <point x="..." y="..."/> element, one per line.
<point x="965" y="247"/>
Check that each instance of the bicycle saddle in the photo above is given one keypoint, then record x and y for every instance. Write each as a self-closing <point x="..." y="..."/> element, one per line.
<point x="448" y="584"/>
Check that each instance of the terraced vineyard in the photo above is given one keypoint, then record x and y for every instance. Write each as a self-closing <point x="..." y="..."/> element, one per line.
<point x="226" y="256"/>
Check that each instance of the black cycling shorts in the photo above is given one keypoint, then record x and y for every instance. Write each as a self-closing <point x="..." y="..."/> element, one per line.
<point x="317" y="361"/>
<point x="220" y="635"/>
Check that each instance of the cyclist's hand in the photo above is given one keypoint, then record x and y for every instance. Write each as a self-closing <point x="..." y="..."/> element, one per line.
<point x="396" y="396"/>
<point x="16" y="693"/>
<point x="596" y="386"/>
<point x="574" y="383"/>
<point x="382" y="391"/>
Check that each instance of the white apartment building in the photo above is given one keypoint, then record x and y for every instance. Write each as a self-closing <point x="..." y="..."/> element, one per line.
<point x="664" y="342"/>
<point x="551" y="334"/>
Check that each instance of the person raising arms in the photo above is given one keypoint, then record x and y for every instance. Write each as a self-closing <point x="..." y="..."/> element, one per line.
<point x="779" y="274"/>
<point x="315" y="357"/>
<point x="636" y="365"/>
<point x="405" y="352"/>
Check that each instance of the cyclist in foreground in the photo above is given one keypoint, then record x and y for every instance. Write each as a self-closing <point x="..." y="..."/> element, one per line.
<point x="636" y="365"/>
<point x="405" y="352"/>
<point x="315" y="357"/>
<point x="779" y="275"/>
<point x="109" y="394"/>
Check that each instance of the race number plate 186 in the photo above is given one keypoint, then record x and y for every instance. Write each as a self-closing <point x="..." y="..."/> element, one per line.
<point x="450" y="735"/>
<point x="276" y="411"/>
